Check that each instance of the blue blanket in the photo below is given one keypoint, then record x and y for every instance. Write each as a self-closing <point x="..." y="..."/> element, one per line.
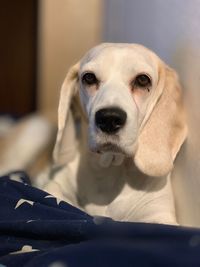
<point x="39" y="230"/>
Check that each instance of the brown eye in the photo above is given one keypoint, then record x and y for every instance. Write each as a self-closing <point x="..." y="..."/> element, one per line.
<point x="142" y="80"/>
<point x="89" y="78"/>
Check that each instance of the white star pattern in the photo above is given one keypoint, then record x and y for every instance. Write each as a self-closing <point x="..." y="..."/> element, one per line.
<point x="25" y="249"/>
<point x="57" y="199"/>
<point x="28" y="222"/>
<point x="15" y="177"/>
<point x="21" y="201"/>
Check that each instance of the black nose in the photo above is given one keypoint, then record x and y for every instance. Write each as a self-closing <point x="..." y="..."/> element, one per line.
<point x="110" y="120"/>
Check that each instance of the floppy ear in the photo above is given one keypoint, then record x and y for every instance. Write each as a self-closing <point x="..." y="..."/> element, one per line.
<point x="164" y="131"/>
<point x="66" y="137"/>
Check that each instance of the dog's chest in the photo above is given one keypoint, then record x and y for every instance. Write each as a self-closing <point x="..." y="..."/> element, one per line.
<point x="123" y="193"/>
<point x="111" y="192"/>
<point x="111" y="202"/>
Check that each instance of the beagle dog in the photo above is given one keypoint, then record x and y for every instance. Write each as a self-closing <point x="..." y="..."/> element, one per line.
<point x="127" y="105"/>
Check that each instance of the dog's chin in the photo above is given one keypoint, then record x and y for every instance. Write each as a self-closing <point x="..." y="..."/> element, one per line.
<point x="109" y="147"/>
<point x="112" y="144"/>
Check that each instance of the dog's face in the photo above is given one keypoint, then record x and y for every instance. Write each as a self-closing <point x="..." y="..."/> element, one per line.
<point x="133" y="105"/>
<point x="117" y="86"/>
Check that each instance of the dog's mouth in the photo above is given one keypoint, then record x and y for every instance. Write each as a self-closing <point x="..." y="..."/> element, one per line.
<point x="109" y="147"/>
<point x="115" y="144"/>
<point x="110" y="154"/>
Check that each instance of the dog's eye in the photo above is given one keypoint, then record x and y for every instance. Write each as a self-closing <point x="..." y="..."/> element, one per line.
<point x="89" y="78"/>
<point x="142" y="80"/>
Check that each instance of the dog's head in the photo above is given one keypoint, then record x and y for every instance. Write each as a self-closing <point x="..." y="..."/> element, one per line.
<point x="132" y="103"/>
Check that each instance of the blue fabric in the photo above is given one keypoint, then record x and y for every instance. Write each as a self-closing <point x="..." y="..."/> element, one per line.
<point x="56" y="234"/>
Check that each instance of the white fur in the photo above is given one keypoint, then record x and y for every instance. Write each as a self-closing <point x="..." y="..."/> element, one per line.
<point x="120" y="192"/>
<point x="122" y="65"/>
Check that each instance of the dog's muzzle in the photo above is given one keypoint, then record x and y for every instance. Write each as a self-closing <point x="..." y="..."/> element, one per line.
<point x="110" y="120"/>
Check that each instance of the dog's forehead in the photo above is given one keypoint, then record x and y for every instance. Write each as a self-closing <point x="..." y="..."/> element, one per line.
<point x="124" y="56"/>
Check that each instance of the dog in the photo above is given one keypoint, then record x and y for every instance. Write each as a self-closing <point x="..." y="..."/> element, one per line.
<point x="31" y="138"/>
<point x="127" y="104"/>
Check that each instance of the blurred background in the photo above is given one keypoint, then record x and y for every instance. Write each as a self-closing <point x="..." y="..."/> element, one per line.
<point x="41" y="39"/>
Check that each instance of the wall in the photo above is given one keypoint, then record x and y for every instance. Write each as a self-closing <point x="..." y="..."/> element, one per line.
<point x="171" y="29"/>
<point x="67" y="28"/>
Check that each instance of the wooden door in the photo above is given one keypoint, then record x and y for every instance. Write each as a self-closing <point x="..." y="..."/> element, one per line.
<point x="18" y="43"/>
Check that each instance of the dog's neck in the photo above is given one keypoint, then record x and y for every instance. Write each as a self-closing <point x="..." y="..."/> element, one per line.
<point x="120" y="192"/>
<point x="100" y="190"/>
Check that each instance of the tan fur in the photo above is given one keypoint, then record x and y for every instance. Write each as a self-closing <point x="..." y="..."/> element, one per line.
<point x="165" y="130"/>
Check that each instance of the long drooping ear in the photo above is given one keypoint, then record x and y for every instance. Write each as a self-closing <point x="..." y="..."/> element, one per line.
<point x="64" y="147"/>
<point x="164" y="131"/>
